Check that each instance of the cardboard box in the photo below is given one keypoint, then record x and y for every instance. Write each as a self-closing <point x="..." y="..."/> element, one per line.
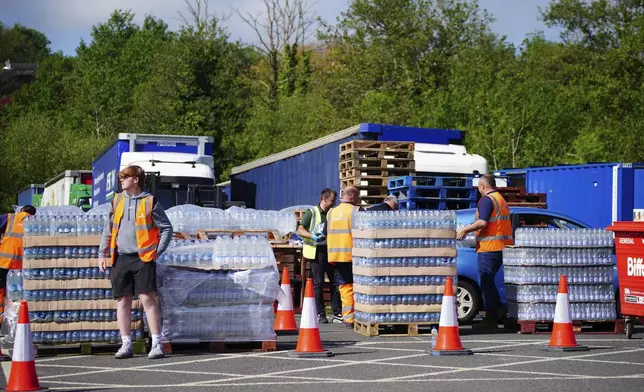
<point x="59" y="263"/>
<point x="404" y="233"/>
<point x="32" y="284"/>
<point x="82" y="326"/>
<point x="29" y="241"/>
<point x="404" y="252"/>
<point x="95" y="304"/>
<point x="395" y="290"/>
<point x="405" y="271"/>
<point x="397" y="308"/>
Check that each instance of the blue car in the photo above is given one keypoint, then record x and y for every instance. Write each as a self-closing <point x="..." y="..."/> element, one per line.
<point x="469" y="297"/>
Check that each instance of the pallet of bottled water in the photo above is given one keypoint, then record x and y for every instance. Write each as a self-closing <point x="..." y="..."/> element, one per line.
<point x="400" y="262"/>
<point x="218" y="290"/>
<point x="534" y="265"/>
<point x="193" y="219"/>
<point x="70" y="299"/>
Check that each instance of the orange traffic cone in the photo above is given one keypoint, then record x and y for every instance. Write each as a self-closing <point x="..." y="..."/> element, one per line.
<point x="448" y="341"/>
<point x="23" y="375"/>
<point x="563" y="336"/>
<point x="309" y="343"/>
<point x="285" y="318"/>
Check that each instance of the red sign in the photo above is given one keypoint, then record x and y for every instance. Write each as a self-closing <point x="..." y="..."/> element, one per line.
<point x="630" y="266"/>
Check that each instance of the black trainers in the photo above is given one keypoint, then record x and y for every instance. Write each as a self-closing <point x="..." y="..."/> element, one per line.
<point x="337" y="319"/>
<point x="322" y="319"/>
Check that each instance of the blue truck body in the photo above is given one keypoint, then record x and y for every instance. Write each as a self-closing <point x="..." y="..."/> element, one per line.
<point x="296" y="176"/>
<point x="106" y="165"/>
<point x="26" y="196"/>
<point x="598" y="193"/>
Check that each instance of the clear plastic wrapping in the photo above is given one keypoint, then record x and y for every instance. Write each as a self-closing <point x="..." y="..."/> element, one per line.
<point x="557" y="256"/>
<point x="548" y="293"/>
<point x="586" y="311"/>
<point x="189" y="218"/>
<point x="222" y="290"/>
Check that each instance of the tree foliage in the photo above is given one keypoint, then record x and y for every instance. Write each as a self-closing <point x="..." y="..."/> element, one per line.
<point x="426" y="63"/>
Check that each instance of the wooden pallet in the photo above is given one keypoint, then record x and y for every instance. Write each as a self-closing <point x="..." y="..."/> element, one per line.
<point x="363" y="153"/>
<point x="377" y="145"/>
<point x="375" y="163"/>
<point x="373" y="172"/>
<point x="272" y="235"/>
<point x="397" y="329"/>
<point x="139" y="347"/>
<point x="370" y="181"/>
<point x="220" y="347"/>
<point x="614" y="327"/>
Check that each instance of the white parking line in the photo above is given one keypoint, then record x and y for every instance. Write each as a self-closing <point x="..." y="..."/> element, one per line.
<point x="513" y="364"/>
<point x="130" y="369"/>
<point x="219" y="357"/>
<point x="446" y="380"/>
<point x="341" y="381"/>
<point x="305" y="369"/>
<point x="61" y="358"/>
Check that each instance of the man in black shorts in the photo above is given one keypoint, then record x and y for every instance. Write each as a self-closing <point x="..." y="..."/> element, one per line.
<point x="137" y="233"/>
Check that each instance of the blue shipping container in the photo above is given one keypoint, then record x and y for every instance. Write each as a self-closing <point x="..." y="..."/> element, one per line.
<point x="597" y="194"/>
<point x="297" y="176"/>
<point x="106" y="165"/>
<point x="26" y="195"/>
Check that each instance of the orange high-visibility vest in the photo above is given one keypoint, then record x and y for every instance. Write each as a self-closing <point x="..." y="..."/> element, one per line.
<point x="11" y="250"/>
<point x="147" y="234"/>
<point x="339" y="240"/>
<point x="498" y="232"/>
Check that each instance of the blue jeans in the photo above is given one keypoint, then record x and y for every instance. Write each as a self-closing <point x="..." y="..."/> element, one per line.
<point x="489" y="264"/>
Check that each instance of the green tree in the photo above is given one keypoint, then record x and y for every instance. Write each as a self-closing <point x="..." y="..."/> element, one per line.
<point x="22" y="45"/>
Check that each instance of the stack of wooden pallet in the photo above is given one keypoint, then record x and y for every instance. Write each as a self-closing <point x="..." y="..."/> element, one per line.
<point x="518" y="197"/>
<point x="368" y="164"/>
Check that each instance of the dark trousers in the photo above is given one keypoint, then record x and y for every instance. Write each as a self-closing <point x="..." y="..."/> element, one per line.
<point x="319" y="267"/>
<point x="489" y="264"/>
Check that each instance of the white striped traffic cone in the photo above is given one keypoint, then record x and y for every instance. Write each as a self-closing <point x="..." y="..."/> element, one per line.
<point x="563" y="335"/>
<point x="285" y="317"/>
<point x="309" y="343"/>
<point x="448" y="341"/>
<point x="23" y="375"/>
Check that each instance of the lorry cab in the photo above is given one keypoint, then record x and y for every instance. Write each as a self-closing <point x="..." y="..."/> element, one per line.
<point x="179" y="169"/>
<point x="469" y="297"/>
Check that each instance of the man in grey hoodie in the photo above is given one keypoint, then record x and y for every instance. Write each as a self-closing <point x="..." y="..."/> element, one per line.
<point x="137" y="233"/>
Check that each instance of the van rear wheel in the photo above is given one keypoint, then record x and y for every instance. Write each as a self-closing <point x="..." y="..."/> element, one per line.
<point x="468" y="302"/>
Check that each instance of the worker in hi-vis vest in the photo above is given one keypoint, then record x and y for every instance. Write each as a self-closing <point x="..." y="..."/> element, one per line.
<point x="339" y="244"/>
<point x="11" y="251"/>
<point x="311" y="229"/>
<point x="493" y="233"/>
<point x="137" y="233"/>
